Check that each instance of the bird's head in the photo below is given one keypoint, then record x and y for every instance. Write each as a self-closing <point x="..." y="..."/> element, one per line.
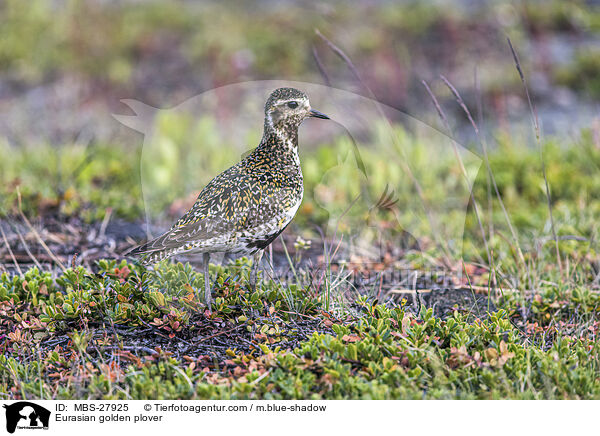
<point x="288" y="107"/>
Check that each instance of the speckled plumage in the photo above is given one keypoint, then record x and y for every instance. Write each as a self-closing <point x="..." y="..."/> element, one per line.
<point x="246" y="207"/>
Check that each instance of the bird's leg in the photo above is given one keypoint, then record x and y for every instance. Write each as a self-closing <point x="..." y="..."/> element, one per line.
<point x="256" y="260"/>
<point x="207" y="296"/>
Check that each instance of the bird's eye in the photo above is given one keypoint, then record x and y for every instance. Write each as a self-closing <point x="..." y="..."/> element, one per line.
<point x="293" y="104"/>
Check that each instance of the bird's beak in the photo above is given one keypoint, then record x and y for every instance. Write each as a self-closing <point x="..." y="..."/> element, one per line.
<point x="317" y="114"/>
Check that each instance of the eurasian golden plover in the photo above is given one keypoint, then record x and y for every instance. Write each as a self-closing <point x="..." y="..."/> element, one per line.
<point x="243" y="209"/>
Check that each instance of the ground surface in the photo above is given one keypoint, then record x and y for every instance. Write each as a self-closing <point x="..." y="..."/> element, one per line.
<point x="122" y="332"/>
<point x="499" y="299"/>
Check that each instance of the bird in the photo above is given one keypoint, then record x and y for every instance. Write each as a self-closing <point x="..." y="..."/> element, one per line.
<point x="245" y="208"/>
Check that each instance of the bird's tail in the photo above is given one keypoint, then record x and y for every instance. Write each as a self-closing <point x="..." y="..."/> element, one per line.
<point x="150" y="254"/>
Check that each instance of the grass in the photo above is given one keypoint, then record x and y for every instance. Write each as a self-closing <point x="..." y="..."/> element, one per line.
<point x="106" y="45"/>
<point x="582" y="73"/>
<point x="70" y="180"/>
<point x="123" y="332"/>
<point x="527" y="255"/>
<point x="523" y="244"/>
<point x="73" y="181"/>
<point x="366" y="351"/>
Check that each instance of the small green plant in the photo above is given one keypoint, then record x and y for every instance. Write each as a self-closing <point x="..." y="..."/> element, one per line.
<point x="384" y="351"/>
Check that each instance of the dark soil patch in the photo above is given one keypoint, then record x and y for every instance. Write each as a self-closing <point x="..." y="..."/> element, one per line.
<point x="205" y="340"/>
<point x="445" y="301"/>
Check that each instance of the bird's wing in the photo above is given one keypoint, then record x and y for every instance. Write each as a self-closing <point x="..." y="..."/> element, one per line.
<point x="232" y="201"/>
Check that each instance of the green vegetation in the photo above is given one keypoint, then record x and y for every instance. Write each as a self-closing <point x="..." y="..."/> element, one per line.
<point x="542" y="343"/>
<point x="368" y="352"/>
<point x="74" y="180"/>
<point x="70" y="180"/>
<point x="113" y="329"/>
<point x="106" y="44"/>
<point x="583" y="73"/>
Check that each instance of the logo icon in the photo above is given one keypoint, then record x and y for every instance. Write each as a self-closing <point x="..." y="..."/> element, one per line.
<point x="26" y="415"/>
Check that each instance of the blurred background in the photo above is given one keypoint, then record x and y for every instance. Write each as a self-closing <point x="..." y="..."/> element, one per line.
<point x="65" y="66"/>
<point x="59" y="58"/>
